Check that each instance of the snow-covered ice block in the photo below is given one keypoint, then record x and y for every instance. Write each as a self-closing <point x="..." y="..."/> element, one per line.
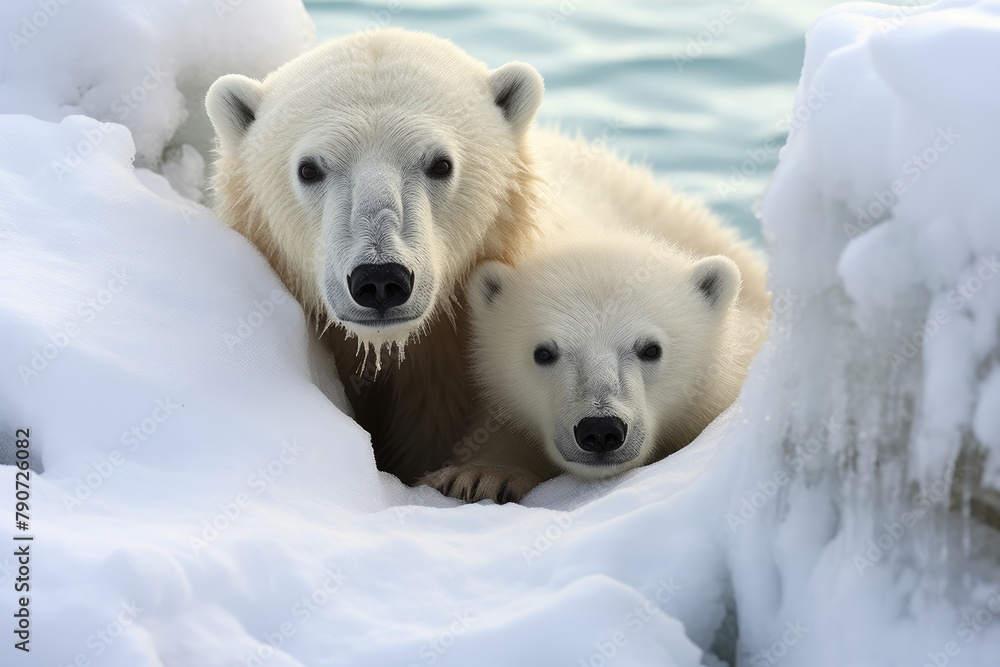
<point x="861" y="517"/>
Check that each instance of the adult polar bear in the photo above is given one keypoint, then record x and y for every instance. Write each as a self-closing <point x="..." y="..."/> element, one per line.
<point x="374" y="173"/>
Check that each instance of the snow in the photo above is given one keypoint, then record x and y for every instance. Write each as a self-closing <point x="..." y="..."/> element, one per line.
<point x="200" y="498"/>
<point x="145" y="65"/>
<point x="881" y="220"/>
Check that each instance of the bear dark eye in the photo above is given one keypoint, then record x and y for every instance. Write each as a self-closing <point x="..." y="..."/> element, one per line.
<point x="440" y="169"/>
<point x="545" y="356"/>
<point x="309" y="172"/>
<point x="651" y="352"/>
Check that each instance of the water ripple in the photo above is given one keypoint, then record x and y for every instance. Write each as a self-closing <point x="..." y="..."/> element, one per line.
<point x="692" y="104"/>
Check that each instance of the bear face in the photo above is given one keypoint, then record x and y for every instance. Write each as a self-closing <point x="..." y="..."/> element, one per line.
<point x="377" y="168"/>
<point x="601" y="348"/>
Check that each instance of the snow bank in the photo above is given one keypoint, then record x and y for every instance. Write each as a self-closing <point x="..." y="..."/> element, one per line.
<point x="205" y="502"/>
<point x="146" y="65"/>
<point x="882" y="384"/>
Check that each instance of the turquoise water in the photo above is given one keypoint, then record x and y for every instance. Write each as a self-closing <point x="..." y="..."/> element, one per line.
<point x="697" y="90"/>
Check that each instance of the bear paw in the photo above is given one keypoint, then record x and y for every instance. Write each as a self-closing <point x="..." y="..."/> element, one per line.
<point x="473" y="483"/>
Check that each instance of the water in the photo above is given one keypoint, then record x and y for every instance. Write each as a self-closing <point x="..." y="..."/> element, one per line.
<point x="698" y="90"/>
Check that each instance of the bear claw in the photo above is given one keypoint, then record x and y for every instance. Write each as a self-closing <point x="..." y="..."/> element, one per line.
<point x="472" y="483"/>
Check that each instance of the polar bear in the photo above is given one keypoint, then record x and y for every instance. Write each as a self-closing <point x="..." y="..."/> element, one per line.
<point x="374" y="173"/>
<point x="599" y="352"/>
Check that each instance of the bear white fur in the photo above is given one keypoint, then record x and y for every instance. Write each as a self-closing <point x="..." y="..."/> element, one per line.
<point x="396" y="148"/>
<point x="630" y="328"/>
<point x="634" y="269"/>
<point x="331" y="162"/>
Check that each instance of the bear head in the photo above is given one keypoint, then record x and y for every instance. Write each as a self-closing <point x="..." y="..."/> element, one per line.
<point x="602" y="348"/>
<point x="375" y="171"/>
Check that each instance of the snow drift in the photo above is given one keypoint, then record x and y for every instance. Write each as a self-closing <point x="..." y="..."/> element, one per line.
<point x="145" y="65"/>
<point x="199" y="497"/>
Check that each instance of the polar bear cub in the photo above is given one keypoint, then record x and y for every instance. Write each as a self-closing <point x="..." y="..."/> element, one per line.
<point x="601" y="353"/>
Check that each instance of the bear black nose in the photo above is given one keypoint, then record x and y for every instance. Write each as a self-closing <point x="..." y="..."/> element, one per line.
<point x="600" y="434"/>
<point x="380" y="286"/>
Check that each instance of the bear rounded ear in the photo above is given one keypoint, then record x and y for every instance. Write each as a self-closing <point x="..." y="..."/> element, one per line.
<point x="717" y="279"/>
<point x="517" y="89"/>
<point x="232" y="103"/>
<point x="486" y="284"/>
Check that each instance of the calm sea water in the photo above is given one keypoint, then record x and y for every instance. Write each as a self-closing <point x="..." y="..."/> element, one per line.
<point x="700" y="90"/>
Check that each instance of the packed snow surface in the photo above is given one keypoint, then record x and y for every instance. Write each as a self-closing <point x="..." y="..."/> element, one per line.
<point x="200" y="495"/>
